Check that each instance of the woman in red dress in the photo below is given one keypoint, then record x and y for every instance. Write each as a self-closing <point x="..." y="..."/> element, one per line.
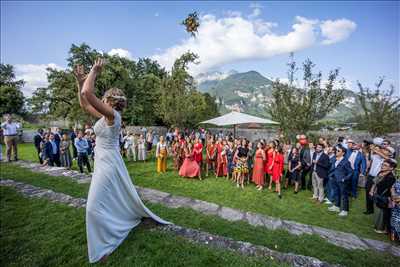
<point x="258" y="168"/>
<point x="210" y="155"/>
<point x="277" y="170"/>
<point x="222" y="169"/>
<point x="189" y="168"/>
<point x="198" y="152"/>
<point x="270" y="153"/>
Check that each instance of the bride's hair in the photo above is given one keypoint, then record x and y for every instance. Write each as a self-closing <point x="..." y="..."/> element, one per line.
<point x="116" y="98"/>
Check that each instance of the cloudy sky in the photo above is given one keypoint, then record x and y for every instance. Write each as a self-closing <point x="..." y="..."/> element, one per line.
<point x="362" y="38"/>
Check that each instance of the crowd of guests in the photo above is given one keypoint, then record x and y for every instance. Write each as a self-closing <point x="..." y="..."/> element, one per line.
<point x="330" y="170"/>
<point x="62" y="149"/>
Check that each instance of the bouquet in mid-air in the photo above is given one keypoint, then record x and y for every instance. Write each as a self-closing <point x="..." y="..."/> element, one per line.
<point x="192" y="23"/>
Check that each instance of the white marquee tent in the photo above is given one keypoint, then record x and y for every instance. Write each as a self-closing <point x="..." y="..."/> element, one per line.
<point x="235" y="118"/>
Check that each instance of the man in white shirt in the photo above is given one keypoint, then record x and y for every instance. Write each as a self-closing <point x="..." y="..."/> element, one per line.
<point x="10" y="136"/>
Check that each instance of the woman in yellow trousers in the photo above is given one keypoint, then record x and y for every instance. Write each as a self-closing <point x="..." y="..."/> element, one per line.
<point x="161" y="155"/>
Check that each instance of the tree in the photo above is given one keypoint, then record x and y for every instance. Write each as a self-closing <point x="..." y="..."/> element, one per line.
<point x="180" y="103"/>
<point x="380" y="109"/>
<point x="297" y="108"/>
<point x="11" y="96"/>
<point x="139" y="80"/>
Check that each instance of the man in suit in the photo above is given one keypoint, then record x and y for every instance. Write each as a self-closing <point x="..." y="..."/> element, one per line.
<point x="57" y="137"/>
<point x="340" y="173"/>
<point x="320" y="169"/>
<point x="53" y="152"/>
<point x="306" y="162"/>
<point x="357" y="162"/>
<point x="37" y="140"/>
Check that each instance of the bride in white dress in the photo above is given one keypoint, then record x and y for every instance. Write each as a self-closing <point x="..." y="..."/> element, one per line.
<point x="113" y="207"/>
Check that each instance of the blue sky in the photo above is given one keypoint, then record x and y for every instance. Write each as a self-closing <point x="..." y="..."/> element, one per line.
<point x="362" y="38"/>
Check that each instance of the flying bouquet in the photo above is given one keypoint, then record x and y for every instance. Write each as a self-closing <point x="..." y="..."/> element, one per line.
<point x="192" y="23"/>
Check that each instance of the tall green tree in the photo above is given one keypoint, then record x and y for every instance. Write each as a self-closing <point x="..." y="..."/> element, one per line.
<point x="297" y="108"/>
<point x="11" y="96"/>
<point x="380" y="109"/>
<point x="139" y="80"/>
<point x="180" y="103"/>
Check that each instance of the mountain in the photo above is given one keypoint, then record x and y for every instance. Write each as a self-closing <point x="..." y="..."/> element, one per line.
<point x="251" y="92"/>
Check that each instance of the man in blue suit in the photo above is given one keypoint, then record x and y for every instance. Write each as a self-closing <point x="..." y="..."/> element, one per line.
<point x="340" y="174"/>
<point x="357" y="162"/>
<point x="320" y="169"/>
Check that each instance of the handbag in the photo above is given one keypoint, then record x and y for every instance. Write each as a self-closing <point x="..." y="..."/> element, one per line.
<point x="381" y="201"/>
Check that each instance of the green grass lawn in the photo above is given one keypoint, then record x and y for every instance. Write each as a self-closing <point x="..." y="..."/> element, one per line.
<point x="36" y="232"/>
<point x="280" y="240"/>
<point x="298" y="207"/>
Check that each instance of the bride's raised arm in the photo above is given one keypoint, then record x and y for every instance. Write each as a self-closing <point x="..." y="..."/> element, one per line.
<point x="80" y="77"/>
<point x="88" y="92"/>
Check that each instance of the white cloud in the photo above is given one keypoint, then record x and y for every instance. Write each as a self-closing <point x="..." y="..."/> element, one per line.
<point x="230" y="39"/>
<point x="121" y="53"/>
<point x="34" y="76"/>
<point x="336" y="30"/>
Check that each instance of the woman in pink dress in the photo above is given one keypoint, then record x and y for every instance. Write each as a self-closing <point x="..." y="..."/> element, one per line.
<point x="277" y="170"/>
<point x="189" y="168"/>
<point x="222" y="169"/>
<point x="198" y="152"/>
<point x="270" y="153"/>
<point x="258" y="169"/>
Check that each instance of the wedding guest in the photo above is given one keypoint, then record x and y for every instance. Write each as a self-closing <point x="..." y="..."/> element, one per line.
<point x="82" y="146"/>
<point x="294" y="168"/>
<point x="176" y="152"/>
<point x="66" y="160"/>
<point x="131" y="146"/>
<point x="395" y="216"/>
<point x="250" y="161"/>
<point x="222" y="162"/>
<point x="378" y="155"/>
<point x="269" y="163"/>
<point x="141" y="148"/>
<point x="189" y="168"/>
<point x="52" y="151"/>
<point x="320" y="170"/>
<point x="241" y="163"/>
<point x="382" y="189"/>
<point x="211" y="155"/>
<point x="73" y="135"/>
<point x="161" y="155"/>
<point x="277" y="170"/>
<point x="357" y="162"/>
<point x="37" y="140"/>
<point x="229" y="156"/>
<point x="305" y="158"/>
<point x="341" y="174"/>
<point x="258" y="169"/>
<point x="198" y="152"/>
<point x="10" y="129"/>
<point x="149" y="140"/>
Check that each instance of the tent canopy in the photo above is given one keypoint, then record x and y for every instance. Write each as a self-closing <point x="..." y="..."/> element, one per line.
<point x="235" y="118"/>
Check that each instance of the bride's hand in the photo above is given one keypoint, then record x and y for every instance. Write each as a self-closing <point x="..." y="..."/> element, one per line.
<point x="98" y="65"/>
<point x="79" y="74"/>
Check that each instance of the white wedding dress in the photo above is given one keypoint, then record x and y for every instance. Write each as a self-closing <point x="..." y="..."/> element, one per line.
<point x="113" y="206"/>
